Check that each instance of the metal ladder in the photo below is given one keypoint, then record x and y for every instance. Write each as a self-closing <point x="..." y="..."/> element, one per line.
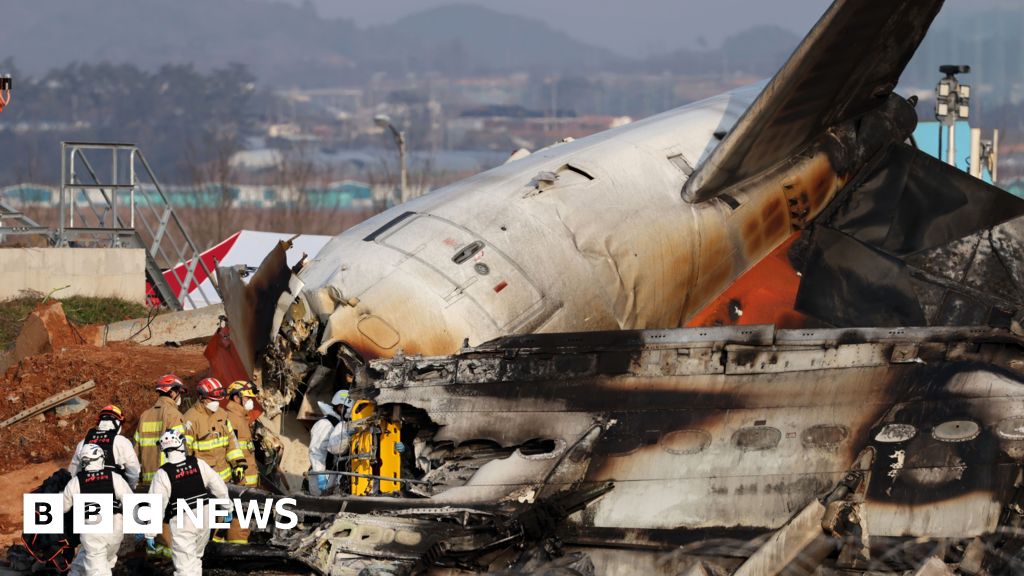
<point x="12" y="221"/>
<point x="119" y="211"/>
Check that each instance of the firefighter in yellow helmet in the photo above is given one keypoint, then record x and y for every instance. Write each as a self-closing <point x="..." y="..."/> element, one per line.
<point x="210" y="435"/>
<point x="118" y="454"/>
<point x="241" y="401"/>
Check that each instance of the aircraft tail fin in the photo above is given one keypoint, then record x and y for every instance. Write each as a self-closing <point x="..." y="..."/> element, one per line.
<point x="847" y="65"/>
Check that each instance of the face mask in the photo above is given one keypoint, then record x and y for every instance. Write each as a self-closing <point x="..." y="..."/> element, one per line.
<point x="177" y="401"/>
<point x="247" y="404"/>
<point x="175" y="456"/>
<point x="105" y="425"/>
<point x="212" y="405"/>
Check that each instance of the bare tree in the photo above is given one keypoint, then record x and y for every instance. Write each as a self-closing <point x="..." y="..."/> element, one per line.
<point x="213" y="176"/>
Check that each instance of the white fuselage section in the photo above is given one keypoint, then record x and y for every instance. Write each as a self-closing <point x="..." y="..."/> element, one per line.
<point x="585" y="235"/>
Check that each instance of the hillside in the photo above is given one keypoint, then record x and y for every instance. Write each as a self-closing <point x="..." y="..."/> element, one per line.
<point x="282" y="43"/>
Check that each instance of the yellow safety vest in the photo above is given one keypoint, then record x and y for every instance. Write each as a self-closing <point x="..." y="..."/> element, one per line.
<point x="163" y="416"/>
<point x="212" y="438"/>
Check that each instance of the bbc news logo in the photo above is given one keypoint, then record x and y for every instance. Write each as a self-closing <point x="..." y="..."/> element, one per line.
<point x="144" y="514"/>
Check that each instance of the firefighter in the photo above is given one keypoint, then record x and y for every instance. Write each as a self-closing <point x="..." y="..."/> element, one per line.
<point x="118" y="453"/>
<point x="98" y="552"/>
<point x="323" y="453"/>
<point x="241" y="401"/>
<point x="164" y="415"/>
<point x="187" y="480"/>
<point x="210" y="435"/>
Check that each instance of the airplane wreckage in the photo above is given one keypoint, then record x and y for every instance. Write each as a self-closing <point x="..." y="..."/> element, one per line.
<point x="759" y="334"/>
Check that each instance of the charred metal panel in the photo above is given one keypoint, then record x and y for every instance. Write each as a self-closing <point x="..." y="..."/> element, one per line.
<point x="913" y="202"/>
<point x="714" y="440"/>
<point x="255" y="307"/>
<point x="748" y="360"/>
<point x="928" y="421"/>
<point x="915" y="243"/>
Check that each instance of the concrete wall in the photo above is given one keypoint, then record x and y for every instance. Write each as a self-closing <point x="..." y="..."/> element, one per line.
<point x="105" y="272"/>
<point x="185" y="326"/>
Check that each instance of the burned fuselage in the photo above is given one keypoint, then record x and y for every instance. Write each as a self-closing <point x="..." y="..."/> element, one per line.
<point x="657" y="451"/>
<point x="705" y="439"/>
<point x="627" y="229"/>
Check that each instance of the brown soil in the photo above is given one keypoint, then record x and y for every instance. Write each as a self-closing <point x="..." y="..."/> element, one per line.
<point x="53" y="356"/>
<point x="16" y="483"/>
<point x="124" y="374"/>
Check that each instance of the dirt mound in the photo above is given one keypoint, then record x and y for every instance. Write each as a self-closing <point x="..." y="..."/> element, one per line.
<point x="47" y="329"/>
<point x="124" y="374"/>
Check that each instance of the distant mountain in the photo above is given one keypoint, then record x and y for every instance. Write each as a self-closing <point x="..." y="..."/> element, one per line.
<point x="490" y="40"/>
<point x="268" y="37"/>
<point x="758" y="51"/>
<point x="283" y="43"/>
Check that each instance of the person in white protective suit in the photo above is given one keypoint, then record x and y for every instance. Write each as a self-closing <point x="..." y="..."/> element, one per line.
<point x="97" y="554"/>
<point x="328" y="441"/>
<point x="118" y="452"/>
<point x="185" y="481"/>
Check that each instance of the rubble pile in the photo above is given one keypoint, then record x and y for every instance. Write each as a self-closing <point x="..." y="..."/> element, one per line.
<point x="52" y="356"/>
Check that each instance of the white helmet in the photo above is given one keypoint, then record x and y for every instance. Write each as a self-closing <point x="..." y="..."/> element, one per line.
<point x="91" y="456"/>
<point x="172" y="440"/>
<point x="341" y="398"/>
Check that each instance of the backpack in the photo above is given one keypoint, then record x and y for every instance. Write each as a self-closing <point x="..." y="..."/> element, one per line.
<point x="57" y="550"/>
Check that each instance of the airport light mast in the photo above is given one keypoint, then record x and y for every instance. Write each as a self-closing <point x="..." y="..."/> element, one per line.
<point x="952" y="103"/>
<point x="384" y="121"/>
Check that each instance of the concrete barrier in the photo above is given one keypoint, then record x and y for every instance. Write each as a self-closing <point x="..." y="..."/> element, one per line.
<point x="100" y="272"/>
<point x="186" y="326"/>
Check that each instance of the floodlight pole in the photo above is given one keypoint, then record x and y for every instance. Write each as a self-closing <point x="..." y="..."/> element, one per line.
<point x="403" y="172"/>
<point x="951" y="104"/>
<point x="951" y="151"/>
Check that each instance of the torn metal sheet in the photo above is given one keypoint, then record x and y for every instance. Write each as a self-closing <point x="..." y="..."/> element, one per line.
<point x="917" y="243"/>
<point x="655" y="452"/>
<point x="252" y="306"/>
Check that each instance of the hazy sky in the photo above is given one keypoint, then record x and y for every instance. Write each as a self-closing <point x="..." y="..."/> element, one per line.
<point x="631" y="27"/>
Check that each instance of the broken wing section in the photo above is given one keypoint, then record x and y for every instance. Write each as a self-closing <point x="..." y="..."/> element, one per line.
<point x="916" y="243"/>
<point x="256" y="309"/>
<point x="847" y="66"/>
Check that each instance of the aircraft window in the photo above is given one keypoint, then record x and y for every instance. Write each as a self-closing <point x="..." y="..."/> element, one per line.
<point x="1011" y="428"/>
<point x="467" y="252"/>
<point x="824" y="436"/>
<point x="757" y="438"/>
<point x="685" y="442"/>
<point x="537" y="447"/>
<point x="956" y="431"/>
<point x="408" y="537"/>
<point x="895" y="433"/>
<point x="679" y="162"/>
